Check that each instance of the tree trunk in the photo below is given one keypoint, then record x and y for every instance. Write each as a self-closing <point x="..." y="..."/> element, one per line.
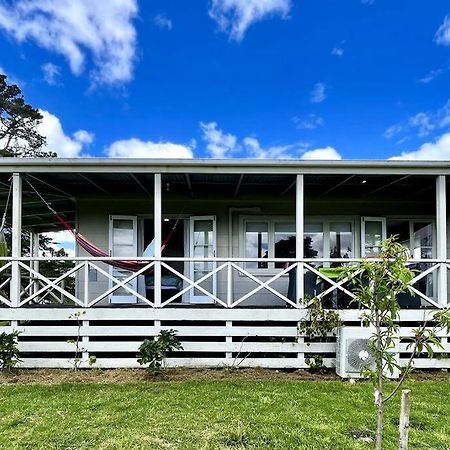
<point x="404" y="420"/>
<point x="379" y="435"/>
<point x="379" y="392"/>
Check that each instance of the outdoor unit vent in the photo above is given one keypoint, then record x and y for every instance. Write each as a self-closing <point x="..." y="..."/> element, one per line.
<point x="353" y="353"/>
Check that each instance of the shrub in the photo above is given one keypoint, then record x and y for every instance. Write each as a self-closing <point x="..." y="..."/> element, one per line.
<point x="153" y="352"/>
<point x="9" y="353"/>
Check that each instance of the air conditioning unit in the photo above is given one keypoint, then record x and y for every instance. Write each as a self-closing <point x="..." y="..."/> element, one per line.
<point x="353" y="353"/>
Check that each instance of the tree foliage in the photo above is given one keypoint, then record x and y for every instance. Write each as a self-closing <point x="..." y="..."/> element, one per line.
<point x="377" y="283"/>
<point x="19" y="135"/>
<point x="153" y="352"/>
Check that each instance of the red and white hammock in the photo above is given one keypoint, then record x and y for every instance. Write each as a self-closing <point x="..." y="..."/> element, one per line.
<point x="98" y="252"/>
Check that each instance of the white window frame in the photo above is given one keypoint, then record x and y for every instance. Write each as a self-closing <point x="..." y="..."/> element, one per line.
<point x="272" y="220"/>
<point x="127" y="298"/>
<point x="365" y="219"/>
<point x="411" y="221"/>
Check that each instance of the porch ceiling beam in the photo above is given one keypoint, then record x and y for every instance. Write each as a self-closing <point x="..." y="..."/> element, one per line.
<point x="424" y="189"/>
<point x="50" y="185"/>
<point x="384" y="186"/>
<point x="43" y="214"/>
<point x="331" y="189"/>
<point x="96" y="185"/>
<point x="140" y="184"/>
<point x="238" y="185"/>
<point x="189" y="184"/>
<point x="47" y="224"/>
<point x="289" y="187"/>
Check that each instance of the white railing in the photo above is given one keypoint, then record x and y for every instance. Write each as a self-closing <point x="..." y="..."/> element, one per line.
<point x="37" y="288"/>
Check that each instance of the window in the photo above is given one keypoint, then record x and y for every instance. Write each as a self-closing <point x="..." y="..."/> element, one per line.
<point x="276" y="237"/>
<point x="417" y="235"/>
<point x="268" y="238"/>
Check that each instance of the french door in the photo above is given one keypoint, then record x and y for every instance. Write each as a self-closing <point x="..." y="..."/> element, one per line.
<point x="202" y="244"/>
<point x="122" y="243"/>
<point x="373" y="232"/>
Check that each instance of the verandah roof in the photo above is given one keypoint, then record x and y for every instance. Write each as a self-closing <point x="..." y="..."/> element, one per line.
<point x="63" y="181"/>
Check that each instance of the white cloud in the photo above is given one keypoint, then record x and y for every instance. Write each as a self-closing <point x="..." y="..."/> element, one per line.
<point x="76" y="29"/>
<point x="135" y="148"/>
<point x="393" y="130"/>
<point x="234" y="17"/>
<point x="437" y="150"/>
<point x="219" y="144"/>
<point x="422" y="123"/>
<point x="57" y="140"/>
<point x="442" y="36"/>
<point x="310" y="123"/>
<point x="11" y="79"/>
<point x="337" y="51"/>
<point x="326" y="153"/>
<point x="254" y="150"/>
<point x="224" y="145"/>
<point x="430" y="76"/>
<point x="62" y="239"/>
<point x="51" y="73"/>
<point x="84" y="136"/>
<point x="163" y="22"/>
<point x="318" y="94"/>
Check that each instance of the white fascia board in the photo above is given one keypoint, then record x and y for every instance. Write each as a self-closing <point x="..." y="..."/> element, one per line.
<point x="230" y="166"/>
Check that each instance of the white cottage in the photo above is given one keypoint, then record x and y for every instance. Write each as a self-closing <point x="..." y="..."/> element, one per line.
<point x="211" y="248"/>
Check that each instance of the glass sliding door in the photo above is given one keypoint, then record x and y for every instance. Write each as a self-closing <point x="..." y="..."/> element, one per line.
<point x="122" y="243"/>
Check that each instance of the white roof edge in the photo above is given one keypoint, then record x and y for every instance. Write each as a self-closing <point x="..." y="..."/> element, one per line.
<point x="148" y="165"/>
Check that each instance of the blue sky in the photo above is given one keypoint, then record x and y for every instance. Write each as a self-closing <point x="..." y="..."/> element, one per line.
<point x="356" y="79"/>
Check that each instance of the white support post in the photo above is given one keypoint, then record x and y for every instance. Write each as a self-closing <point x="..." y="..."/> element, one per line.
<point x="299" y="230"/>
<point x="86" y="284"/>
<point x="16" y="247"/>
<point x="441" y="231"/>
<point x="85" y="343"/>
<point x="229" y="340"/>
<point x="158" y="239"/>
<point x="35" y="253"/>
<point x="229" y="285"/>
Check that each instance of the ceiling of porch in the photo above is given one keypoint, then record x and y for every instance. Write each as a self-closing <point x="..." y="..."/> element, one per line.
<point x="62" y="189"/>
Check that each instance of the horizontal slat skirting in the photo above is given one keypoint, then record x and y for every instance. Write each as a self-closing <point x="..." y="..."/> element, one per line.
<point x="244" y="347"/>
<point x="188" y="314"/>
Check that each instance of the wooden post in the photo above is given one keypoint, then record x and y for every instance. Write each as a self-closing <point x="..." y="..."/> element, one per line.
<point x="299" y="231"/>
<point x="441" y="229"/>
<point x="157" y="218"/>
<point x="35" y="264"/>
<point x="403" y="426"/>
<point x="16" y="247"/>
<point x="229" y="285"/>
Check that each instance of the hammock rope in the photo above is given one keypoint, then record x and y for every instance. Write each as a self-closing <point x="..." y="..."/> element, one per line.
<point x="95" y="251"/>
<point x="4" y="251"/>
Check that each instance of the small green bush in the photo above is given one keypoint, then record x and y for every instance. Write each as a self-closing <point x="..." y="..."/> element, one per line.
<point x="153" y="352"/>
<point x="9" y="353"/>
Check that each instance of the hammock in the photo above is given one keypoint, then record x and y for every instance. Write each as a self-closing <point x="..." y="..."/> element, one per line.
<point x="93" y="250"/>
<point x="4" y="251"/>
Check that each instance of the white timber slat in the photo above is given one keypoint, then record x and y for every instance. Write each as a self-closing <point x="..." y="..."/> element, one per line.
<point x="187" y="313"/>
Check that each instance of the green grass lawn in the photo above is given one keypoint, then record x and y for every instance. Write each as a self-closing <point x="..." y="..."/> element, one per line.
<point x="227" y="413"/>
